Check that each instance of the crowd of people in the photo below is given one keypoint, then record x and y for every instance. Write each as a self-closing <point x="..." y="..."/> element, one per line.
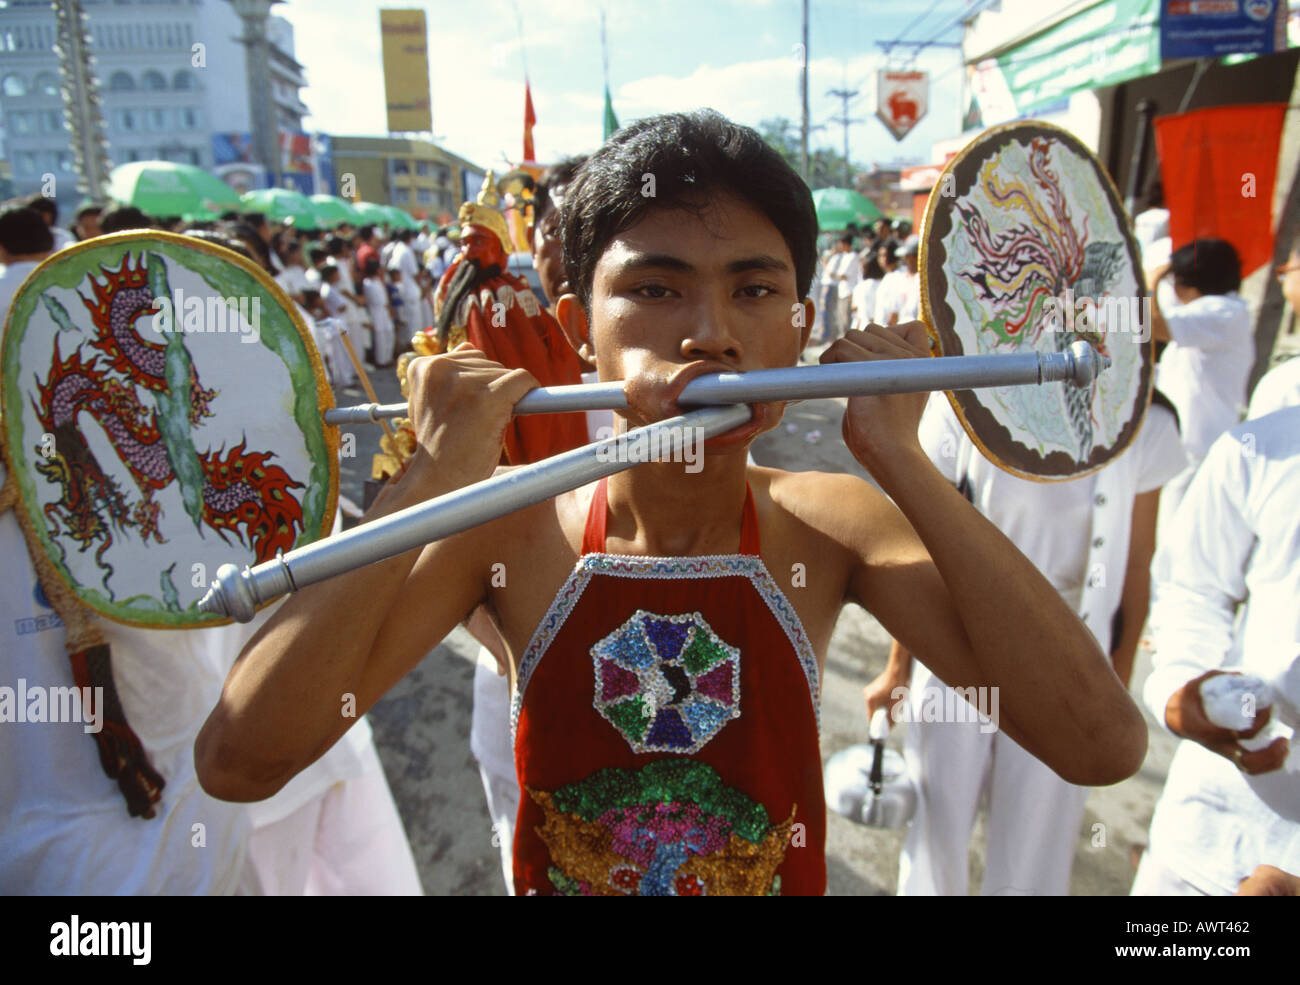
<point x="673" y="780"/>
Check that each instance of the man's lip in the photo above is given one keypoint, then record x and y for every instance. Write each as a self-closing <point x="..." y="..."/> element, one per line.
<point x="678" y="383"/>
<point x="742" y="432"/>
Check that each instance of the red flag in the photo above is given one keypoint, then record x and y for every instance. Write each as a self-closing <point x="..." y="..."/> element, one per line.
<point x="529" y="119"/>
<point x="1218" y="166"/>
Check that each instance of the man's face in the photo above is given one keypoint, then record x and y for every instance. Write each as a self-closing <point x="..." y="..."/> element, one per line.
<point x="88" y="225"/>
<point x="482" y="245"/>
<point x="911" y="259"/>
<point x="548" y="250"/>
<point x="678" y="295"/>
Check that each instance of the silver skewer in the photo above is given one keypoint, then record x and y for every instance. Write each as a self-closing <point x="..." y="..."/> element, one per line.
<point x="1079" y="365"/>
<point x="238" y="594"/>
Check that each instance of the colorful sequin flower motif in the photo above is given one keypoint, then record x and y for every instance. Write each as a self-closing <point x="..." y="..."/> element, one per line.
<point x="666" y="683"/>
<point x="671" y="828"/>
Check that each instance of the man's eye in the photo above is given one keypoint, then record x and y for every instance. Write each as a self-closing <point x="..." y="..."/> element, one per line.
<point x="757" y="291"/>
<point x="651" y="291"/>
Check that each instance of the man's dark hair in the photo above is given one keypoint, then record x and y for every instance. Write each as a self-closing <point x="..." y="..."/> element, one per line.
<point x="372" y="267"/>
<point x="310" y="296"/>
<point x="693" y="157"/>
<point x="317" y="255"/>
<point x="334" y="246"/>
<point x="366" y="233"/>
<point x="248" y="235"/>
<point x="1211" y="266"/>
<point x="90" y="208"/>
<point x="46" y="207"/>
<point x="254" y="219"/>
<point x="124" y="217"/>
<point x="329" y="273"/>
<point x="23" y="232"/>
<point x="847" y="241"/>
<point x="558" y="175"/>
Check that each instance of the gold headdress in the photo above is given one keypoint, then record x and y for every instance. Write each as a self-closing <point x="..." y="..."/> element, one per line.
<point x="483" y="212"/>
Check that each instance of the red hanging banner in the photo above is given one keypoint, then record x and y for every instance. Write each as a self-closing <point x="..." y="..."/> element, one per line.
<point x="1218" y="166"/>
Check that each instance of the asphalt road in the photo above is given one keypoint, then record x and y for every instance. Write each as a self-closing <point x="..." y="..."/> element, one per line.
<point x="422" y="726"/>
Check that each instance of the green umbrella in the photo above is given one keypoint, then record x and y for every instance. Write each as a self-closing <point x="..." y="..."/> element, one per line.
<point x="281" y="205"/>
<point x="401" y="218"/>
<point x="163" y="188"/>
<point x="369" y="212"/>
<point x="333" y="211"/>
<point x="837" y="207"/>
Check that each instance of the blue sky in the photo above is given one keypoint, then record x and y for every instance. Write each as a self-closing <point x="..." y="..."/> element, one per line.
<point x="737" y="56"/>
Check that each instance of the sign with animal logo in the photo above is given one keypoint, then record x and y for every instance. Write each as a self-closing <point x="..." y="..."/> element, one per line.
<point x="902" y="99"/>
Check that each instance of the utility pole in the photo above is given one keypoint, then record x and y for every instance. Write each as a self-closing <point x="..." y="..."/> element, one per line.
<point x="266" y="134"/>
<point x="844" y="95"/>
<point x="81" y="100"/>
<point x="803" y="92"/>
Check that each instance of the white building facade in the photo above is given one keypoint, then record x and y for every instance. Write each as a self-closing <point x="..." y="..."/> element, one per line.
<point x="172" y="82"/>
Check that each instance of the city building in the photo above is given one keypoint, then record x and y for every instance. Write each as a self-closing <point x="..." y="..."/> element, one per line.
<point x="172" y="81"/>
<point x="415" y="175"/>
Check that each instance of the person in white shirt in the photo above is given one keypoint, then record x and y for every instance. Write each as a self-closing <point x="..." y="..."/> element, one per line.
<point x="898" y="299"/>
<point x="1278" y="388"/>
<point x="1205" y="368"/>
<point x="25" y="240"/>
<point x="863" y="304"/>
<point x="842" y="275"/>
<point x="404" y="259"/>
<point x="1092" y="537"/>
<point x="1226" y="583"/>
<point x="293" y="278"/>
<point x="375" y="292"/>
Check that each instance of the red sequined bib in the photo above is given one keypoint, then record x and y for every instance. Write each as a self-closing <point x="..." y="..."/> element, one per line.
<point x="666" y="730"/>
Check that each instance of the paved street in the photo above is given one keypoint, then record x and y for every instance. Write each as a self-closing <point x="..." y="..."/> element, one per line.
<point x="422" y="726"/>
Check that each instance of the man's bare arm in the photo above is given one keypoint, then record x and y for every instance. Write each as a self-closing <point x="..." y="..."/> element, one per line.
<point x="283" y="704"/>
<point x="954" y="591"/>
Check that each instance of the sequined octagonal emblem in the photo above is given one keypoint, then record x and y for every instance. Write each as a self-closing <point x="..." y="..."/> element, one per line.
<point x="666" y="683"/>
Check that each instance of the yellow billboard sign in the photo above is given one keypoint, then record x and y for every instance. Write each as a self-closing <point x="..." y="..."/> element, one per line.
<point x="406" y="69"/>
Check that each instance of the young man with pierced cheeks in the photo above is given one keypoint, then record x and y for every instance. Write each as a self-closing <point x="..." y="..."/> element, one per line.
<point x="666" y="667"/>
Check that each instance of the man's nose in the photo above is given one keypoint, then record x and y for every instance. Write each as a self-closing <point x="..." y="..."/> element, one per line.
<point x="712" y="334"/>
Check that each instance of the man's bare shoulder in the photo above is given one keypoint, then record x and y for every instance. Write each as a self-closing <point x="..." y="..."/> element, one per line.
<point x="831" y="502"/>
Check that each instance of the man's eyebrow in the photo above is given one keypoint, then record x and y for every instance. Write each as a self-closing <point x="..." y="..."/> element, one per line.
<point x="763" y="261"/>
<point x="644" y="261"/>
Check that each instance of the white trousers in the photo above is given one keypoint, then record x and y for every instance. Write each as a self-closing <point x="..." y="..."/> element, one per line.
<point x="1033" y="820"/>
<point x="347" y="842"/>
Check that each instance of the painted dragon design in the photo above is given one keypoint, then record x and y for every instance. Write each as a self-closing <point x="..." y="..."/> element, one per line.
<point x="242" y="492"/>
<point x="1035" y="267"/>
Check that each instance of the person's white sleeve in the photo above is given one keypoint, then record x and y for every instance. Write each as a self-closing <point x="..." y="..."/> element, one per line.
<point x="1279" y="388"/>
<point x="1161" y="450"/>
<point x="1199" y="326"/>
<point x="1198" y="577"/>
<point x="941" y="435"/>
<point x="883" y="294"/>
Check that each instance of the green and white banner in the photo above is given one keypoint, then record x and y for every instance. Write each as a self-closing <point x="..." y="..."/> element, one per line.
<point x="1108" y="43"/>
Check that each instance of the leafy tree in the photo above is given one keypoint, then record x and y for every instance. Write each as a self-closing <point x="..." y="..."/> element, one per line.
<point x="825" y="166"/>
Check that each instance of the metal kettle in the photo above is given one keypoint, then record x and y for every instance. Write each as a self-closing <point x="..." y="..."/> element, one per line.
<point x="870" y="784"/>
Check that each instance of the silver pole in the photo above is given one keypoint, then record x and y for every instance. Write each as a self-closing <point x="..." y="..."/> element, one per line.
<point x="1079" y="365"/>
<point x="238" y="594"/>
